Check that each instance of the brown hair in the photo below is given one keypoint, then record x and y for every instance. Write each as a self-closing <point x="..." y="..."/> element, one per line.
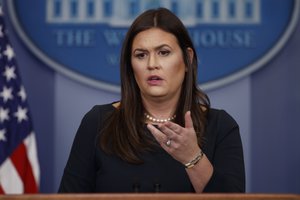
<point x="123" y="133"/>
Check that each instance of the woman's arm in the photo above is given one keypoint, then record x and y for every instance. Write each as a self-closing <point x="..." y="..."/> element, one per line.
<point x="80" y="173"/>
<point x="226" y="156"/>
<point x="224" y="173"/>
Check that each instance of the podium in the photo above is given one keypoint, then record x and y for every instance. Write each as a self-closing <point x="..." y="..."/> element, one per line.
<point x="152" y="196"/>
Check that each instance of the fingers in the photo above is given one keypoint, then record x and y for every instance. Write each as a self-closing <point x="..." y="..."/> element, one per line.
<point x="188" y="120"/>
<point x="159" y="136"/>
<point x="180" y="142"/>
<point x="170" y="130"/>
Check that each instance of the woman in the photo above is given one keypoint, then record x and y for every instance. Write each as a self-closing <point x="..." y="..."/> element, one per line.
<point x="162" y="136"/>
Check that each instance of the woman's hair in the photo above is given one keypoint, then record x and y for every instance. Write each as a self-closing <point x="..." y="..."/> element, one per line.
<point x="123" y="133"/>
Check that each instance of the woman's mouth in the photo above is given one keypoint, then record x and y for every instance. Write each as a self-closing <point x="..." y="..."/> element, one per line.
<point x="154" y="80"/>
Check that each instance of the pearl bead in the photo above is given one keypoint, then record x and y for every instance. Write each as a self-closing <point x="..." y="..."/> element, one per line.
<point x="153" y="119"/>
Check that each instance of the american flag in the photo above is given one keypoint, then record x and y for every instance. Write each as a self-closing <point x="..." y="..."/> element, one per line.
<point x="19" y="167"/>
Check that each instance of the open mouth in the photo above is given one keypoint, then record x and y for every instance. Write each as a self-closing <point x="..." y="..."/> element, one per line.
<point x="154" y="80"/>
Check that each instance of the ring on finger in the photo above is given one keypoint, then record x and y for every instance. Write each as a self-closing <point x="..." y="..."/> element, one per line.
<point x="168" y="143"/>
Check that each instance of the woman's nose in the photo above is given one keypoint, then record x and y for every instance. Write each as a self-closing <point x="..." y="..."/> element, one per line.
<point x="153" y="62"/>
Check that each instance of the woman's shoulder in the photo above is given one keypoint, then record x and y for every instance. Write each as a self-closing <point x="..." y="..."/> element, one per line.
<point x="93" y="120"/>
<point x="220" y="122"/>
<point x="221" y="116"/>
<point x="220" y="125"/>
<point x="97" y="110"/>
<point x="97" y="113"/>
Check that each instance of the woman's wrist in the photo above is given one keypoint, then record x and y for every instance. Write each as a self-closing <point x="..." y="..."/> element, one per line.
<point x="195" y="160"/>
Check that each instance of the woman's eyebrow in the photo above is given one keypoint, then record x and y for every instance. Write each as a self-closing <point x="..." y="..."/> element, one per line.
<point x="161" y="46"/>
<point x="156" y="48"/>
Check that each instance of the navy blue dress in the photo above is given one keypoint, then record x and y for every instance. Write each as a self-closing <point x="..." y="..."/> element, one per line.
<point x="90" y="170"/>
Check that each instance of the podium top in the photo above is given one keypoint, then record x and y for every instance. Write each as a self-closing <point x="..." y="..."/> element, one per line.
<point x="152" y="196"/>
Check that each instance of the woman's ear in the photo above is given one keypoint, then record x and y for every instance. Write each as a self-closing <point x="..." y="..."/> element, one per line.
<point x="190" y="54"/>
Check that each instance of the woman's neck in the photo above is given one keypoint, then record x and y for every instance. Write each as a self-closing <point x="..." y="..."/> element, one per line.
<point x="161" y="109"/>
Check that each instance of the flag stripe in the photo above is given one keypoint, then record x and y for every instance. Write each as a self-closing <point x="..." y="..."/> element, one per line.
<point x="30" y="144"/>
<point x="22" y="164"/>
<point x="10" y="181"/>
<point x="1" y="190"/>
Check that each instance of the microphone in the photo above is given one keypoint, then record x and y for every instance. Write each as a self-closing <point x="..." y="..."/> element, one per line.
<point x="157" y="187"/>
<point x="136" y="186"/>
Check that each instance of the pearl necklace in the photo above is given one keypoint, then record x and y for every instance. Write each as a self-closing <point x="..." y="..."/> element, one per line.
<point x="155" y="120"/>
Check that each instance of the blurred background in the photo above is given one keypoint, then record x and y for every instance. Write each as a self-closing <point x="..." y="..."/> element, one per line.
<point x="265" y="103"/>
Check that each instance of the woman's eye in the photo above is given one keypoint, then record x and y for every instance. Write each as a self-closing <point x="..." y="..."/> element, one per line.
<point x="140" y="55"/>
<point x="164" y="52"/>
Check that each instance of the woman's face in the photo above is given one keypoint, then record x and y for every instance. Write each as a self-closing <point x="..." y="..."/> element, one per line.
<point x="158" y="64"/>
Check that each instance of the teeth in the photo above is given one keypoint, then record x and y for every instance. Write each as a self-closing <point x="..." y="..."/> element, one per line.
<point x="154" y="78"/>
